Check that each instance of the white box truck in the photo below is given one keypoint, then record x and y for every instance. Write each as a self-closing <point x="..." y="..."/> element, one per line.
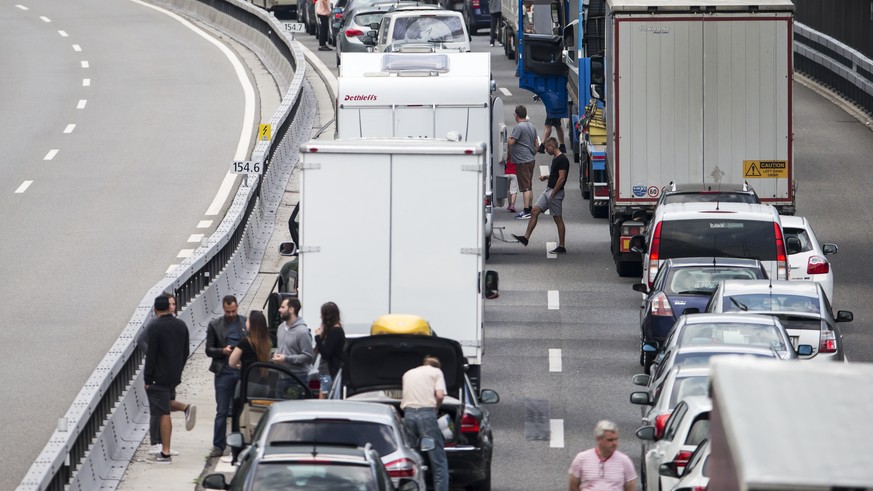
<point x="399" y="250"/>
<point x="423" y="95"/>
<point x="696" y="92"/>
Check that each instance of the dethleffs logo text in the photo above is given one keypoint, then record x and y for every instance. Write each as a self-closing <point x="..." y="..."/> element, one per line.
<point x="368" y="97"/>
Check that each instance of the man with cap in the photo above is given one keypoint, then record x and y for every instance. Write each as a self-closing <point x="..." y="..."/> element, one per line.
<point x="167" y="353"/>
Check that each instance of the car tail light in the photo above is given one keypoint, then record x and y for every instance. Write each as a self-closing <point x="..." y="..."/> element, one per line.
<point x="475" y="4"/>
<point x="681" y="459"/>
<point x="654" y="253"/>
<point x="660" y="422"/>
<point x="401" y="468"/>
<point x="828" y="342"/>
<point x="818" y="265"/>
<point x="469" y="424"/>
<point x="487" y="200"/>
<point x="315" y="387"/>
<point x="350" y="33"/>
<point x="661" y="305"/>
<point x="781" y="257"/>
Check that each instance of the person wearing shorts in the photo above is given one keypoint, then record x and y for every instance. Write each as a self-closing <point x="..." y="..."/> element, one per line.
<point x="547" y="133"/>
<point x="522" y="151"/>
<point x="552" y="198"/>
<point x="509" y="172"/>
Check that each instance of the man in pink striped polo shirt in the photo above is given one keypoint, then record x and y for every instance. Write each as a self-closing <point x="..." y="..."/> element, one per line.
<point x="603" y="468"/>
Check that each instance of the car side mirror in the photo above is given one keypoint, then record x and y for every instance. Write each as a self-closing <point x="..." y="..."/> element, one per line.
<point x="640" y="287"/>
<point x="829" y="249"/>
<point x="374" y="26"/>
<point x="845" y="316"/>
<point x="638" y="244"/>
<point x="492" y="286"/>
<point x="215" y="481"/>
<point x="641" y="398"/>
<point x="426" y="444"/>
<point x="287" y="249"/>
<point x="641" y="379"/>
<point x="804" y="350"/>
<point x="369" y="39"/>
<point x="669" y="469"/>
<point x="793" y="245"/>
<point x="647" y="433"/>
<point x="235" y="440"/>
<point x="406" y="484"/>
<point x="597" y="92"/>
<point x="488" y="396"/>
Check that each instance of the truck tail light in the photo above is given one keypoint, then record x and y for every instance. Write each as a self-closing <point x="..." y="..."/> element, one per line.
<point x="350" y="33"/>
<point x="654" y="256"/>
<point x="828" y="342"/>
<point x="628" y="230"/>
<point x="475" y="4"/>
<point x="781" y="257"/>
<point x="469" y="424"/>
<point x="601" y="191"/>
<point x="681" y="459"/>
<point x="660" y="423"/>
<point x="818" y="265"/>
<point x="661" y="305"/>
<point x="401" y="468"/>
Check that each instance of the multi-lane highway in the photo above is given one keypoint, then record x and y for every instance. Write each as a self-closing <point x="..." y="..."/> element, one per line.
<point x="119" y="124"/>
<point x="102" y="218"/>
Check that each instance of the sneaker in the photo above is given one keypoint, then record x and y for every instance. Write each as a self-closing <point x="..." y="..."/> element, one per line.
<point x="190" y="416"/>
<point x="216" y="452"/>
<point x="492" y="45"/>
<point x="559" y="250"/>
<point x="160" y="458"/>
<point x="324" y="48"/>
<point x="542" y="148"/>
<point x="227" y="459"/>
<point x="521" y="239"/>
<point x="510" y="209"/>
<point x="522" y="215"/>
<point x="157" y="448"/>
<point x="562" y="148"/>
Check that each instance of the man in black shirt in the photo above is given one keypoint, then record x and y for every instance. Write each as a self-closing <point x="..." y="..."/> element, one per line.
<point x="168" y="351"/>
<point x="552" y="198"/>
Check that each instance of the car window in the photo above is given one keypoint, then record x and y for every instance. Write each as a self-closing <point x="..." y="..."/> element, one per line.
<point x="705" y="280"/>
<point x="765" y="336"/>
<point x="689" y="386"/>
<point x="801" y="235"/>
<point x="263" y="381"/>
<point x="769" y="302"/>
<point x="321" y="476"/>
<point x="368" y="18"/>
<point x="718" y="237"/>
<point x="699" y="430"/>
<point x="674" y="421"/>
<point x="333" y="432"/>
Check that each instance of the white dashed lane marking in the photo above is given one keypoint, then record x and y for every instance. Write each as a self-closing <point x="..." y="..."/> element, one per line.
<point x="185" y="253"/>
<point x="22" y="7"/>
<point x="195" y="237"/>
<point x="556" y="430"/>
<point x="23" y="187"/>
<point x="86" y="82"/>
<point x="45" y="19"/>
<point x="63" y="34"/>
<point x="69" y="129"/>
<point x="85" y="64"/>
<point x="76" y="47"/>
<point x="554" y="300"/>
<point x="171" y="268"/>
<point x="204" y="224"/>
<point x="81" y="104"/>
<point x="555" y="360"/>
<point x="51" y="154"/>
<point x="505" y="91"/>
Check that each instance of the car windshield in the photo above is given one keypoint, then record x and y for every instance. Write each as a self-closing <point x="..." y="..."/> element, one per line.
<point x="704" y="280"/>
<point x="689" y="386"/>
<point x="427" y="29"/>
<point x="766" y="336"/>
<point x="334" y="432"/>
<point x="769" y="302"/>
<point x="710" y="197"/>
<point x="320" y="476"/>
<point x="718" y="237"/>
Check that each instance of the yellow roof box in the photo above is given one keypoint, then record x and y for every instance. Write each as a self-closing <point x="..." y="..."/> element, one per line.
<point x="400" y="324"/>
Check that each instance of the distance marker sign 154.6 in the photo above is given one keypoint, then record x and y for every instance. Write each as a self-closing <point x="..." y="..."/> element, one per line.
<point x="246" y="167"/>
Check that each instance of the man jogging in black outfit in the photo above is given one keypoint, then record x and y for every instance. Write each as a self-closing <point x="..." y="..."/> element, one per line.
<point x="167" y="353"/>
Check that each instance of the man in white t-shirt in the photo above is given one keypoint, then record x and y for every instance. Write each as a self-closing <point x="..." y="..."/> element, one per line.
<point x="603" y="467"/>
<point x="423" y="390"/>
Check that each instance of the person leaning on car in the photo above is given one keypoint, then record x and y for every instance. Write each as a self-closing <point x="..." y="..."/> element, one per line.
<point x="423" y="390"/>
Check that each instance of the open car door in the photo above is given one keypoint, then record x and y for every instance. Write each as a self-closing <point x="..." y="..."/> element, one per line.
<point x="261" y="385"/>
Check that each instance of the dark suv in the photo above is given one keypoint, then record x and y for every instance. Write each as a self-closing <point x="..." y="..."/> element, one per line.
<point x="707" y="193"/>
<point x="374" y="371"/>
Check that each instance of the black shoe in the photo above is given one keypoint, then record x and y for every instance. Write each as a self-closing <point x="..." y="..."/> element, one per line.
<point x="324" y="48"/>
<point x="521" y="239"/>
<point x="562" y="148"/>
<point x="559" y="250"/>
<point x="542" y="148"/>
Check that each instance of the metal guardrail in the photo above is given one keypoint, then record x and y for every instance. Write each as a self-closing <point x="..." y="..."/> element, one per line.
<point x="834" y="65"/>
<point x="100" y="432"/>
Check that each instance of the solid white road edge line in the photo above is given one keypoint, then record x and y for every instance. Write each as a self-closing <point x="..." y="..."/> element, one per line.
<point x="23" y="187"/>
<point x="555" y="360"/>
<point x="249" y="114"/>
<point x="51" y="154"/>
<point x="556" y="428"/>
<point x="554" y="301"/>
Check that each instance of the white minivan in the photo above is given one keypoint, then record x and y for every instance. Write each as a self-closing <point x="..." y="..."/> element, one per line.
<point x="745" y="230"/>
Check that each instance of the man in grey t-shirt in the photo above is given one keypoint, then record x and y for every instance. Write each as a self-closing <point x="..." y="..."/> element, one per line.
<point x="522" y="152"/>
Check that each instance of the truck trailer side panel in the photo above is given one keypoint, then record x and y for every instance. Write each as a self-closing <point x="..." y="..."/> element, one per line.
<point x="700" y="98"/>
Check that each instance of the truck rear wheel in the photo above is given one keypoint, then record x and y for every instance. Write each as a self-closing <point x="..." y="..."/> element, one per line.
<point x="509" y="43"/>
